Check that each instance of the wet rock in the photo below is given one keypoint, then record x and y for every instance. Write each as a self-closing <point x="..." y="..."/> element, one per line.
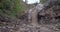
<point x="50" y="15"/>
<point x="4" y="30"/>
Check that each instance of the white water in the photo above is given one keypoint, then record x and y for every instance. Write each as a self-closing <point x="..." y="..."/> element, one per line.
<point x="34" y="11"/>
<point x="31" y="1"/>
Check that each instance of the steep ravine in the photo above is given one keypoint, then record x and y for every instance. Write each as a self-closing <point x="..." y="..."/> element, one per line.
<point x="40" y="18"/>
<point x="48" y="21"/>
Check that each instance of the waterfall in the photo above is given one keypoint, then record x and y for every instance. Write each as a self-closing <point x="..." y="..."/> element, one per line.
<point x="33" y="12"/>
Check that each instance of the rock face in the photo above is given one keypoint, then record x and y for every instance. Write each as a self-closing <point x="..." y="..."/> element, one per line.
<point x="51" y="12"/>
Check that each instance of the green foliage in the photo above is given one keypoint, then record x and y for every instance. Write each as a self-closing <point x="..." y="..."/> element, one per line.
<point x="10" y="7"/>
<point x="43" y="1"/>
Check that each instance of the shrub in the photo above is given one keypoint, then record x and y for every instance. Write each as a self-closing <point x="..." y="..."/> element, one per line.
<point x="10" y="7"/>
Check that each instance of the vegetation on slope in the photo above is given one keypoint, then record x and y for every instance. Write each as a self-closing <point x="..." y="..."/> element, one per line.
<point x="43" y="1"/>
<point x="10" y="7"/>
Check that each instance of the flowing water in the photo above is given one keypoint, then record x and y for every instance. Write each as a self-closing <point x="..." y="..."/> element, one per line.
<point x="34" y="27"/>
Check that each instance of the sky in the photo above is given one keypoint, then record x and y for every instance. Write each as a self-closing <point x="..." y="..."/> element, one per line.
<point x="32" y="1"/>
